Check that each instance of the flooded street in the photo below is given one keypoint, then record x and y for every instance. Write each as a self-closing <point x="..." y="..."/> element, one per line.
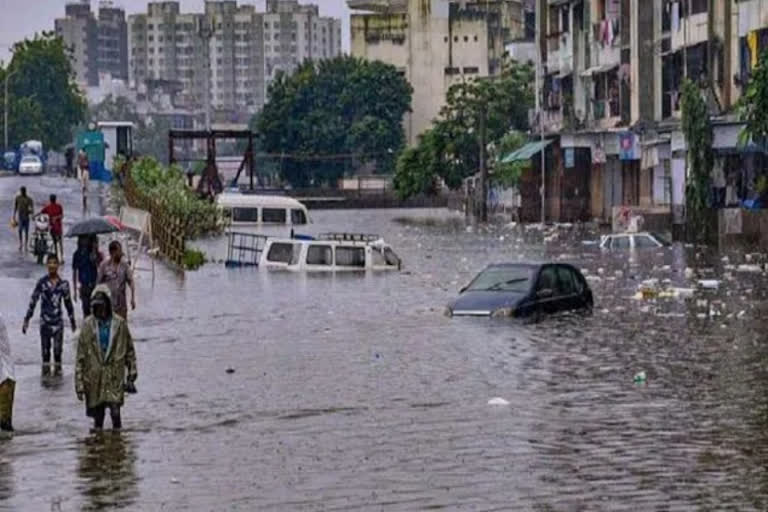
<point x="355" y="392"/>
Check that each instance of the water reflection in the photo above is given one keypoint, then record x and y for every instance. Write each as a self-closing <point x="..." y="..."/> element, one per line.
<point x="6" y="470"/>
<point x="107" y="472"/>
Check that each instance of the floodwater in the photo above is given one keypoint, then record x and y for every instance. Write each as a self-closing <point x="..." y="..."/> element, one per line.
<point x="354" y="392"/>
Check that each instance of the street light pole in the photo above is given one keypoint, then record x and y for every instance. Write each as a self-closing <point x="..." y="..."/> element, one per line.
<point x="539" y="112"/>
<point x="5" y="110"/>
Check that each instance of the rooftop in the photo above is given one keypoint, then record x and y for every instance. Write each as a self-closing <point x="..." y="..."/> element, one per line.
<point x="382" y="6"/>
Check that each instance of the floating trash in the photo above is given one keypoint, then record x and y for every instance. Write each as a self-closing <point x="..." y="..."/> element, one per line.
<point x="497" y="401"/>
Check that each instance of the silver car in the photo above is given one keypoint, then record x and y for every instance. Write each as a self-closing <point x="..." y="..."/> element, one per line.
<point x="31" y="164"/>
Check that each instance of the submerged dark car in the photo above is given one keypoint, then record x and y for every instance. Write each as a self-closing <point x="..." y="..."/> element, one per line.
<point x="524" y="290"/>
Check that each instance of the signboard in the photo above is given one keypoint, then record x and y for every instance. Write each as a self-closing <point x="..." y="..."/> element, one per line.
<point x="137" y="220"/>
<point x="628" y="146"/>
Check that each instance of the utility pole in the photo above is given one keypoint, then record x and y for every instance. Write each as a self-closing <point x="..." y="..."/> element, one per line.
<point x="205" y="30"/>
<point x="540" y="109"/>
<point x="483" y="167"/>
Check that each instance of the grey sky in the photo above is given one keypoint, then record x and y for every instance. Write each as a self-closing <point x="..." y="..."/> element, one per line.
<point x="20" y="19"/>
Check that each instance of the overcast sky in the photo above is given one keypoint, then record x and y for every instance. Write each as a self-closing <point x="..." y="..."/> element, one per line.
<point x="20" y="19"/>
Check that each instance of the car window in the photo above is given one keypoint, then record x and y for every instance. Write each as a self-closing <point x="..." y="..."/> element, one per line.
<point x="645" y="242"/>
<point x="273" y="216"/>
<point x="620" y="242"/>
<point x="350" y="257"/>
<point x="319" y="255"/>
<point x="578" y="281"/>
<point x="547" y="279"/>
<point x="245" y="214"/>
<point x="377" y="257"/>
<point x="280" y="253"/>
<point x="298" y="217"/>
<point x="502" y="279"/>
<point x="565" y="277"/>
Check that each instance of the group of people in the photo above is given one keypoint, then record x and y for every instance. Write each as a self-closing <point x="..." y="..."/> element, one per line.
<point x="105" y="362"/>
<point x="24" y="212"/>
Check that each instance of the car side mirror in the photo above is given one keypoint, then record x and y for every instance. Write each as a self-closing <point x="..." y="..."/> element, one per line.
<point x="545" y="293"/>
<point x="463" y="289"/>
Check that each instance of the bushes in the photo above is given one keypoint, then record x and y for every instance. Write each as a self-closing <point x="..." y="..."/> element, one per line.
<point x="167" y="185"/>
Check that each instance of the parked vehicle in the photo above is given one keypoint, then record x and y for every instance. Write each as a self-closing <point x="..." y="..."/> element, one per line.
<point x="630" y="240"/>
<point x="42" y="241"/>
<point x="331" y="252"/>
<point x="258" y="210"/>
<point x="30" y="165"/>
<point x="523" y="290"/>
<point x="10" y="161"/>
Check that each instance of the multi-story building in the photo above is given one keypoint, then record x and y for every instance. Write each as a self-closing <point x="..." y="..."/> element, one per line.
<point x="231" y="51"/>
<point x="611" y="75"/>
<point x="97" y="45"/>
<point x="435" y="45"/>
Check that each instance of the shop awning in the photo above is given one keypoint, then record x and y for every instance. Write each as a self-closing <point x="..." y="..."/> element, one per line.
<point x="526" y="152"/>
<point x="598" y="69"/>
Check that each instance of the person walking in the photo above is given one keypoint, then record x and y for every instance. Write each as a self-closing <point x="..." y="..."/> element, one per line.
<point x="117" y="275"/>
<point x="56" y="216"/>
<point x="7" y="381"/>
<point x="23" y="208"/>
<point x="85" y="270"/>
<point x="51" y="291"/>
<point x="105" y="364"/>
<point x="83" y="166"/>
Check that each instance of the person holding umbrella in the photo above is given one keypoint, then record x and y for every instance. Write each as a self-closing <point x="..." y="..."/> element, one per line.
<point x="85" y="268"/>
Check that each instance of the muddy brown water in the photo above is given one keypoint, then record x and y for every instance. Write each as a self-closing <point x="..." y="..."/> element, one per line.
<point x="354" y="392"/>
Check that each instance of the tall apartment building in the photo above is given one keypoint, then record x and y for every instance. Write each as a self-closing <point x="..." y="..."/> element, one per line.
<point x="611" y="77"/>
<point x="97" y="44"/>
<point x="435" y="44"/>
<point x="240" y="49"/>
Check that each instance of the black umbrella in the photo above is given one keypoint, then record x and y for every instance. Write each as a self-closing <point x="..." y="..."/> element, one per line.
<point x="94" y="226"/>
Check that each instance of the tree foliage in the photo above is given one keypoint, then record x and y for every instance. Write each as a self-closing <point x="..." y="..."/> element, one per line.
<point x="44" y="102"/>
<point x="340" y="106"/>
<point x="699" y="135"/>
<point x="753" y="105"/>
<point x="150" y="136"/>
<point x="450" y="149"/>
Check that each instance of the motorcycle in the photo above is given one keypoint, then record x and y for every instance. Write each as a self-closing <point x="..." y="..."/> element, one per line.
<point x="42" y="241"/>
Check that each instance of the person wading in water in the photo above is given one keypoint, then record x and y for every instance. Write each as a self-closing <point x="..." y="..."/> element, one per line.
<point x="105" y="365"/>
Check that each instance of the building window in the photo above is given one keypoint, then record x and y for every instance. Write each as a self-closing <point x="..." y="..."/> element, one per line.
<point x="475" y="38"/>
<point x="466" y="39"/>
<point x="455" y="39"/>
<point x="450" y="71"/>
<point x="471" y="70"/>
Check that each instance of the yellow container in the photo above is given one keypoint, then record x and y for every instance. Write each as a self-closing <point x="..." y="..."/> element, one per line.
<point x="7" y="389"/>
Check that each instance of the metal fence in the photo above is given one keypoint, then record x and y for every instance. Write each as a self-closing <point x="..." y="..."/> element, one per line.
<point x="168" y="231"/>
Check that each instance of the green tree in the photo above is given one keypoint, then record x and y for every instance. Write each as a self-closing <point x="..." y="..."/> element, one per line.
<point x="44" y="102"/>
<point x="753" y="105"/>
<point x="333" y="113"/>
<point x="697" y="129"/>
<point x="451" y="150"/>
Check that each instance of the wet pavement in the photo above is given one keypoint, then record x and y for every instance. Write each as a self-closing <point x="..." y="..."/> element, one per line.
<point x="354" y="392"/>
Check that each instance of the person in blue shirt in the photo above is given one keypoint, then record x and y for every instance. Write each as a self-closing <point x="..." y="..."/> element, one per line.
<point x="51" y="291"/>
<point x="85" y="269"/>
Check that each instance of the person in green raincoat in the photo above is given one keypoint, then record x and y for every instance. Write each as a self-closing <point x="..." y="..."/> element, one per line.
<point x="7" y="381"/>
<point x="105" y="365"/>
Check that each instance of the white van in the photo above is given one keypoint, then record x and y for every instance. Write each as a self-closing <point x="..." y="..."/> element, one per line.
<point x="332" y="252"/>
<point x="260" y="210"/>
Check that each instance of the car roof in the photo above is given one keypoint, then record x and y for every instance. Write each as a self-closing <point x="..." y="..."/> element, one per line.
<point x="525" y="264"/>
<point x="255" y="201"/>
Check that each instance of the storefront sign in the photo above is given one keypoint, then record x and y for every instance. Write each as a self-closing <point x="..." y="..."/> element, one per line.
<point x="628" y="146"/>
